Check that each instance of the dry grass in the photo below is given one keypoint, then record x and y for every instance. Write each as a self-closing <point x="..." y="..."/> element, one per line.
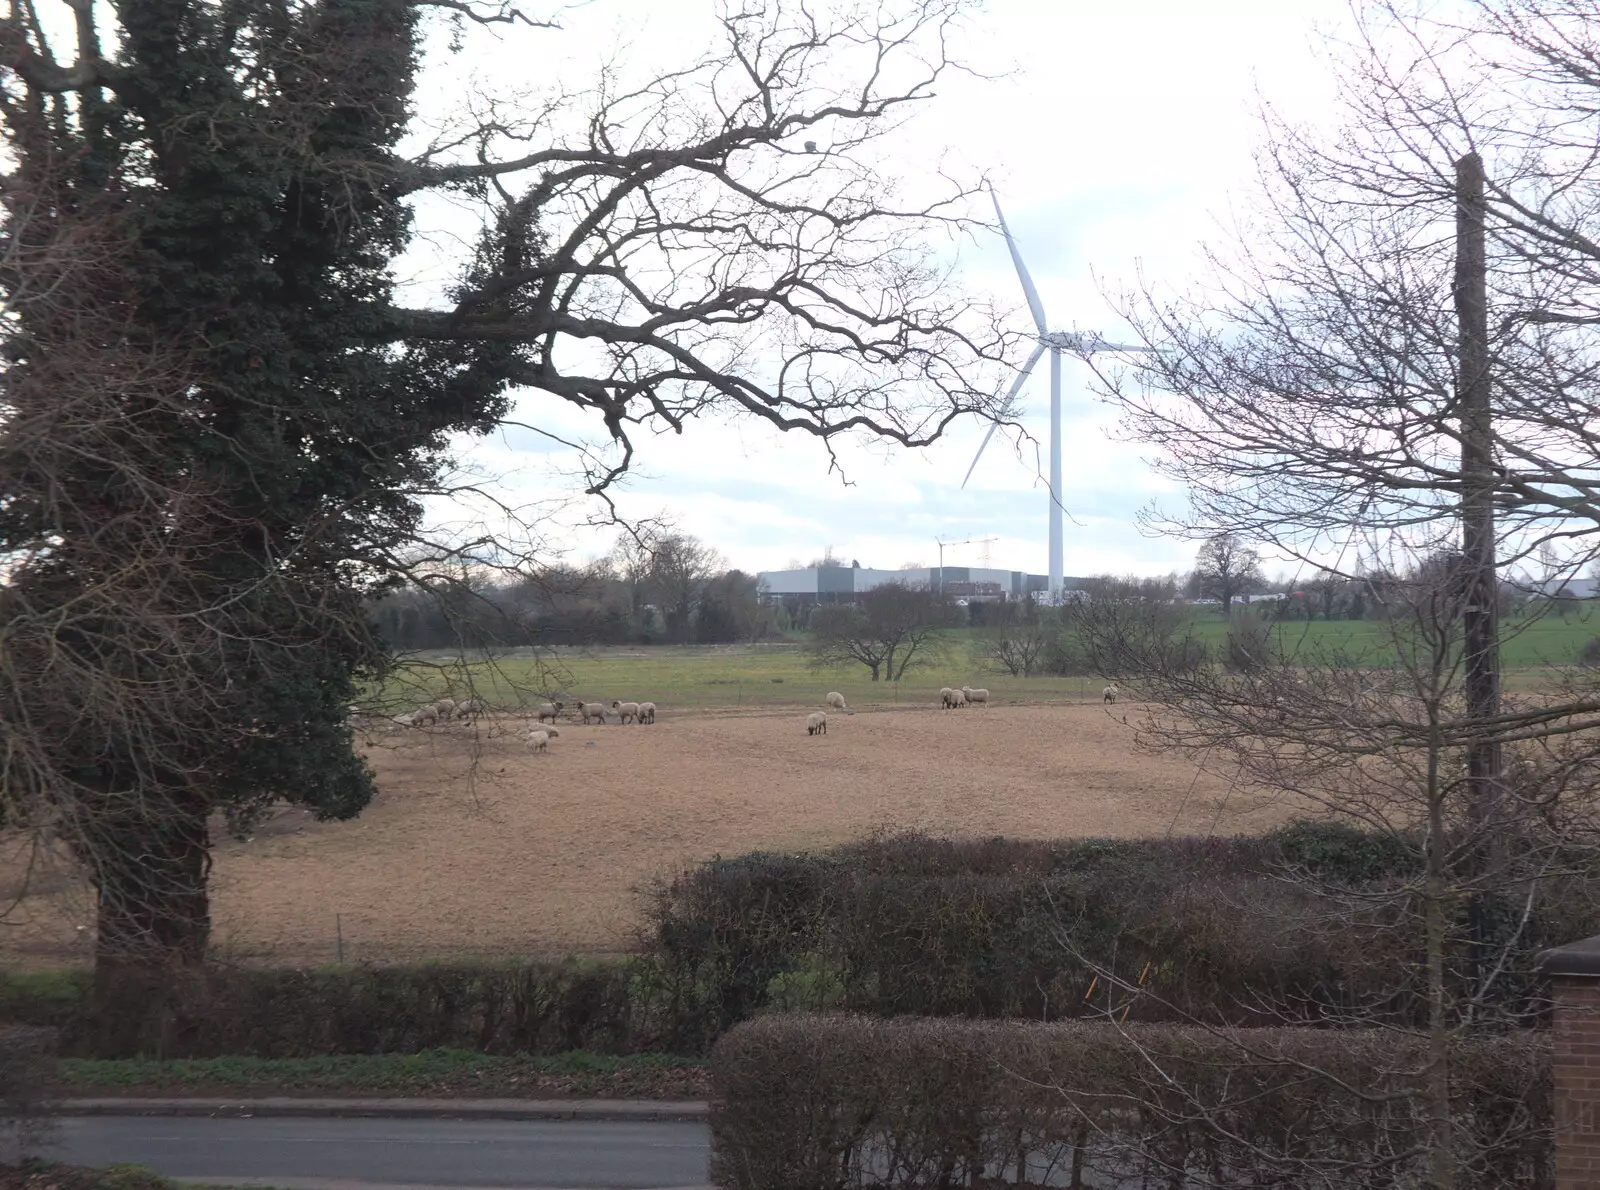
<point x="475" y="847"/>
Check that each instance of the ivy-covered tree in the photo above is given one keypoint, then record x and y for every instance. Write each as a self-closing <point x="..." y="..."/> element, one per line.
<point x="217" y="422"/>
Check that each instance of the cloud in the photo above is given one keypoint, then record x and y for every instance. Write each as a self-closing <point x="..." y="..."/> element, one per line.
<point x="1118" y="141"/>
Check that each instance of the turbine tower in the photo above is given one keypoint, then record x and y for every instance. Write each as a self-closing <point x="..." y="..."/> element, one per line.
<point x="1055" y="342"/>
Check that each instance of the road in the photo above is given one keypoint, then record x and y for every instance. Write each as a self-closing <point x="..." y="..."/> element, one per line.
<point x="543" y="1154"/>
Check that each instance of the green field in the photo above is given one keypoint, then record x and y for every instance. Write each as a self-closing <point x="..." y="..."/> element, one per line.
<point x="781" y="675"/>
<point x="732" y="675"/>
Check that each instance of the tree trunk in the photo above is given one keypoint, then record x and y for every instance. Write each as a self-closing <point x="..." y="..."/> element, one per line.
<point x="151" y="865"/>
<point x="875" y="671"/>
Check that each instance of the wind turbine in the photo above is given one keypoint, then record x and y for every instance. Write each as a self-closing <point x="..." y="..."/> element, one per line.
<point x="1055" y="342"/>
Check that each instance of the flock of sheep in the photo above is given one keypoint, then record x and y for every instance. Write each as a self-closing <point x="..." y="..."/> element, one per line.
<point x="441" y="711"/>
<point x="538" y="738"/>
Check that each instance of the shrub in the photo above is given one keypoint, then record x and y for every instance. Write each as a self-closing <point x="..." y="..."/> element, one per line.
<point x="508" y="1008"/>
<point x="1214" y="929"/>
<point x="1589" y="655"/>
<point x="850" y="1102"/>
<point x="1251" y="645"/>
<point x="27" y="1073"/>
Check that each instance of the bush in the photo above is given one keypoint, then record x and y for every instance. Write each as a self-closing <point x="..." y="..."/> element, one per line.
<point x="1251" y="645"/>
<point x="496" y="1009"/>
<point x="1589" y="655"/>
<point x="27" y="1073"/>
<point x="800" y="1103"/>
<point x="1212" y="929"/>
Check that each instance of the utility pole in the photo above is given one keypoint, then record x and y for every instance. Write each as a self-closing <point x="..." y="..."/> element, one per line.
<point x="1480" y="628"/>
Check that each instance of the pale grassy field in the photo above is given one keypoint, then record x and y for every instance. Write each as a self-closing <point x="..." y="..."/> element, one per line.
<point x="475" y="847"/>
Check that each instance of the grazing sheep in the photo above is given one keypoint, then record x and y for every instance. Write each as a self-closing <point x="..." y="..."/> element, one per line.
<point x="816" y="723"/>
<point x="647" y="712"/>
<point x="1109" y="694"/>
<point x="944" y="697"/>
<point x="446" y="708"/>
<point x="592" y="710"/>
<point x="549" y="711"/>
<point x="468" y="708"/>
<point x="836" y="701"/>
<point x="539" y="741"/>
<point x="976" y="696"/>
<point x="625" y="711"/>
<point x="428" y="714"/>
<point x="957" y="699"/>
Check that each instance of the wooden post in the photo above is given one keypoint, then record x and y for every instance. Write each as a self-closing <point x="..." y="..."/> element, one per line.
<point x="1480" y="629"/>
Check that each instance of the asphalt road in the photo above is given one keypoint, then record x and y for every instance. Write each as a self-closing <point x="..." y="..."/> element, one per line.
<point x="543" y="1154"/>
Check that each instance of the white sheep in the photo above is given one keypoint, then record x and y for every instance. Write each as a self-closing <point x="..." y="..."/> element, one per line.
<point x="445" y="707"/>
<point x="976" y="696"/>
<point x="816" y="723"/>
<point x="428" y="714"/>
<point x="625" y="711"/>
<point x="944" y="697"/>
<point x="471" y="707"/>
<point x="1109" y="694"/>
<point x="539" y="741"/>
<point x="957" y="699"/>
<point x="836" y="701"/>
<point x="647" y="712"/>
<point x="549" y="711"/>
<point x="592" y="710"/>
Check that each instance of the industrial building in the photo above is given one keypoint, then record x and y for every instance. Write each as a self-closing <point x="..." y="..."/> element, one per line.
<point x="841" y="584"/>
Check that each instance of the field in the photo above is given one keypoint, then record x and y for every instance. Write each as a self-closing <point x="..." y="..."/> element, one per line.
<point x="476" y="848"/>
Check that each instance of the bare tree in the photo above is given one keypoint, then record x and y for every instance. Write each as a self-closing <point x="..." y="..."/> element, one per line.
<point x="218" y="433"/>
<point x="1226" y="568"/>
<point x="888" y="629"/>
<point x="1394" y="381"/>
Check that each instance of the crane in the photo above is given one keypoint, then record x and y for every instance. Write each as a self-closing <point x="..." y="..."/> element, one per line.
<point x="983" y="541"/>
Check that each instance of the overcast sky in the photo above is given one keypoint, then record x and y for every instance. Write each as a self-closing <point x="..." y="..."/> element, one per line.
<point x="1119" y="143"/>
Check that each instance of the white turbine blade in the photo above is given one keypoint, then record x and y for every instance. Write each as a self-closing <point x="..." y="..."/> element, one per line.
<point x="1032" y="294"/>
<point x="1011" y="398"/>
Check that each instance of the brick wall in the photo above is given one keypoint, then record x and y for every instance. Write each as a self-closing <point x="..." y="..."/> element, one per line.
<point x="1574" y="973"/>
<point x="1576" y="1029"/>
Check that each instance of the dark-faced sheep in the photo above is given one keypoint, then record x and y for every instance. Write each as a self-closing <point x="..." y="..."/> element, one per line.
<point x="625" y="711"/>
<point x="816" y="723"/>
<point x="1109" y="694"/>
<point x="549" y="711"/>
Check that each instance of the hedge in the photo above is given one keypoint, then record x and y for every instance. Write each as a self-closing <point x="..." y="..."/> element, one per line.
<point x="538" y="1008"/>
<point x="851" y="1103"/>
<point x="1214" y="929"/>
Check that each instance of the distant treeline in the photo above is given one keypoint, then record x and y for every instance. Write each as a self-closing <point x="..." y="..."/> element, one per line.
<point x="666" y="589"/>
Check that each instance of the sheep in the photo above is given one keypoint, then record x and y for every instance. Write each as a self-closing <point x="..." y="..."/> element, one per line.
<point x="428" y="714"/>
<point x="1109" y="694"/>
<point x="976" y="696"/>
<point x="816" y="723"/>
<point x="625" y="711"/>
<point x="549" y="711"/>
<point x="471" y="707"/>
<point x="595" y="710"/>
<point x="944" y="697"/>
<point x="539" y="741"/>
<point x="836" y="701"/>
<point x="957" y="699"/>
<point x="647" y="712"/>
<point x="446" y="707"/>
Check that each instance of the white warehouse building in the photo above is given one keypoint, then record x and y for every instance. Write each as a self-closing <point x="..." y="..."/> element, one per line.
<point x="841" y="584"/>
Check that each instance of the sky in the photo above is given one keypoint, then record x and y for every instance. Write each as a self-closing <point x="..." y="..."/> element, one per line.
<point x="1119" y="141"/>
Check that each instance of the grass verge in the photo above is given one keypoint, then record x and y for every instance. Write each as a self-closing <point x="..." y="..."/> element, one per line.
<point x="434" y="1073"/>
